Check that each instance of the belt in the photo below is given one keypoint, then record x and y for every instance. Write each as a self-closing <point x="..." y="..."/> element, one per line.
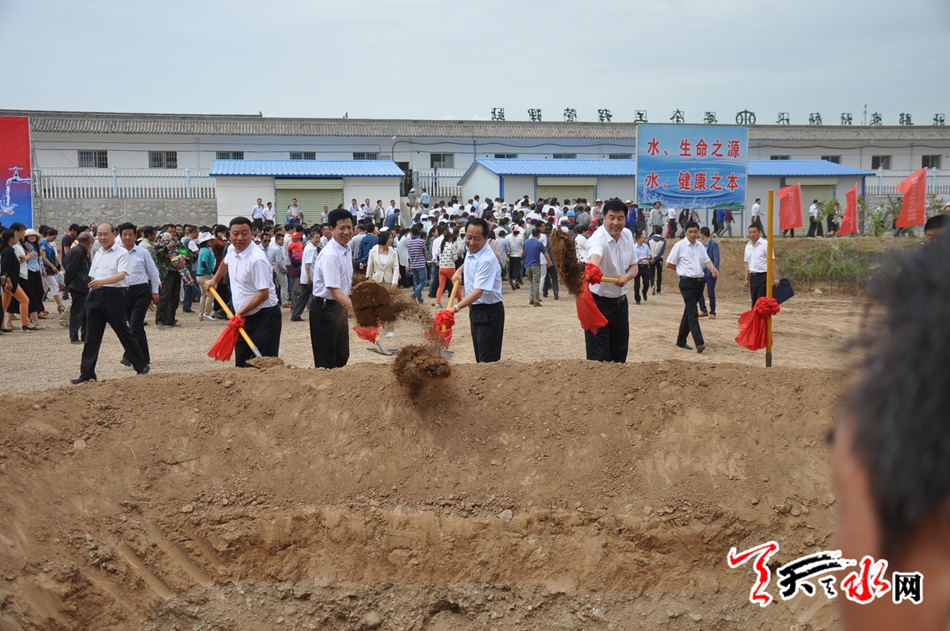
<point x="620" y="300"/>
<point x="322" y="301"/>
<point x="131" y="287"/>
<point x="691" y="278"/>
<point x="757" y="273"/>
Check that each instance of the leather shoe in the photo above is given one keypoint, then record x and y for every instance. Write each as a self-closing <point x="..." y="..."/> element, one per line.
<point x="145" y="370"/>
<point x="685" y="347"/>
<point x="703" y="314"/>
<point x="125" y="362"/>
<point x="700" y="348"/>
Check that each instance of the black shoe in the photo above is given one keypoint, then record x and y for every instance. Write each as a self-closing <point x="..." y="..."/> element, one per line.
<point x="145" y="370"/>
<point x="125" y="362"/>
<point x="644" y="297"/>
<point x="77" y="382"/>
<point x="75" y="342"/>
<point x="160" y="327"/>
<point x="685" y="347"/>
<point x="555" y="296"/>
<point x="187" y="311"/>
<point x="638" y="302"/>
<point x="700" y="348"/>
<point x="296" y="319"/>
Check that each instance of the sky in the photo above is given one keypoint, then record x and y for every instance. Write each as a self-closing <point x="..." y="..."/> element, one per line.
<point x="446" y="59"/>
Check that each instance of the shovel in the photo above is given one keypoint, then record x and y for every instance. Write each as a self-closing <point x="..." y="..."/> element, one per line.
<point x="380" y="348"/>
<point x="224" y="307"/>
<point x="455" y="289"/>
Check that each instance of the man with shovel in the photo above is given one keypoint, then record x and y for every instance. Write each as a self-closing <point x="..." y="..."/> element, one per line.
<point x="252" y="292"/>
<point x="482" y="280"/>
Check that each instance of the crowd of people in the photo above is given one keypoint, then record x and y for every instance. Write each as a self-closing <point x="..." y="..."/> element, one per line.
<point x="122" y="275"/>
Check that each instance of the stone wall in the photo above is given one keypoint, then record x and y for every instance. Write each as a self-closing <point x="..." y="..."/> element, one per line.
<point x="60" y="213"/>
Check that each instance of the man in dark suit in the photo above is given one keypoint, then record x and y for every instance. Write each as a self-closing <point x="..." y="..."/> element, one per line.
<point x="76" y="265"/>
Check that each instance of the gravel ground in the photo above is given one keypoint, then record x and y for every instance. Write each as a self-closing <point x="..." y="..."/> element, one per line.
<point x="808" y="333"/>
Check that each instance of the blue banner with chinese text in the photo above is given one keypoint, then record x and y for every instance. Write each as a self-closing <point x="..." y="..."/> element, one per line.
<point x="692" y="166"/>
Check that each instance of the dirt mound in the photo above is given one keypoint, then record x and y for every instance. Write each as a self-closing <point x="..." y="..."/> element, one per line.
<point x="569" y="269"/>
<point x="266" y="362"/>
<point x="559" y="494"/>
<point x="418" y="367"/>
<point x="371" y="303"/>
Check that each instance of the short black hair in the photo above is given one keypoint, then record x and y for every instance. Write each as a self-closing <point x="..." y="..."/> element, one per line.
<point x="16" y="225"/>
<point x="481" y="223"/>
<point x="240" y="220"/>
<point x="73" y="226"/>
<point x="128" y="225"/>
<point x="615" y="205"/>
<point x="899" y="406"/>
<point x="756" y="226"/>
<point x="691" y="224"/>
<point x="936" y="222"/>
<point x="338" y="215"/>
<point x="536" y="232"/>
<point x="704" y="231"/>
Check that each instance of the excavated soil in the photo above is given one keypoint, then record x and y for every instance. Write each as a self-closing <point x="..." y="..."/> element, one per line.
<point x="418" y="369"/>
<point x="553" y="495"/>
<point x="564" y="254"/>
<point x="371" y="304"/>
<point x="266" y="362"/>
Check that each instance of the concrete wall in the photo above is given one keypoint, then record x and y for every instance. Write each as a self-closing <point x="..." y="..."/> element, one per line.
<point x="623" y="187"/>
<point x="237" y="195"/>
<point x="60" y="213"/>
<point x="480" y="182"/>
<point x="516" y="187"/>
<point x="361" y="188"/>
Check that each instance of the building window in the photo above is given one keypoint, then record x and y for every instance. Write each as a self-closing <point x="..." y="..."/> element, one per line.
<point x="163" y="159"/>
<point x="442" y="160"/>
<point x="506" y="156"/>
<point x="228" y="155"/>
<point x="880" y="162"/>
<point x="780" y="157"/>
<point x="834" y="159"/>
<point x="303" y="155"/>
<point x="366" y="155"/>
<point x="93" y="159"/>
<point x="930" y="162"/>
<point x="620" y="156"/>
<point x="565" y="156"/>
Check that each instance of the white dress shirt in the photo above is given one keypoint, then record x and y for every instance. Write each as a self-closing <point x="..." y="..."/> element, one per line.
<point x="249" y="273"/>
<point x="689" y="258"/>
<point x="309" y="256"/>
<point x="142" y="269"/>
<point x="257" y="212"/>
<point x="616" y="257"/>
<point x="269" y="213"/>
<point x="755" y="210"/>
<point x="757" y="256"/>
<point x="813" y="211"/>
<point x="106" y="263"/>
<point x="333" y="269"/>
<point x="483" y="271"/>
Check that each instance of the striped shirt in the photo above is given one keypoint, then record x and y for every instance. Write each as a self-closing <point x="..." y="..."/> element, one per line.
<point x="417" y="253"/>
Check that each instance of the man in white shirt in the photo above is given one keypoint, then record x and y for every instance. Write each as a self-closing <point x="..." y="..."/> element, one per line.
<point x="611" y="248"/>
<point x="756" y="210"/>
<point x="814" y="220"/>
<point x="305" y="288"/>
<point x="270" y="213"/>
<point x="257" y="214"/>
<point x="515" y="250"/>
<point x="482" y="280"/>
<point x="277" y="256"/>
<point x="252" y="293"/>
<point x="106" y="305"/>
<point x="142" y="290"/>
<point x="688" y="257"/>
<point x="294" y="214"/>
<point x="332" y="276"/>
<point x="756" y="265"/>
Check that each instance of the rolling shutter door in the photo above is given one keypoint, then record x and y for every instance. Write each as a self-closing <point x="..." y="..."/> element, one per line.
<point x="823" y="193"/>
<point x="567" y="188"/>
<point x="312" y="196"/>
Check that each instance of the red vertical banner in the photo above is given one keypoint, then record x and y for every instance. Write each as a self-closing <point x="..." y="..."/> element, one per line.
<point x="790" y="207"/>
<point x="16" y="171"/>
<point x="849" y="224"/>
<point x="914" y="206"/>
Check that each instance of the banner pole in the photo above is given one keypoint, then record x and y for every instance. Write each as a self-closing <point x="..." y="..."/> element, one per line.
<point x="768" y="280"/>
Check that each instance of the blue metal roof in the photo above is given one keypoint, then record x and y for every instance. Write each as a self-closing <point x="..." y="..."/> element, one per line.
<point x="306" y="168"/>
<point x="802" y="168"/>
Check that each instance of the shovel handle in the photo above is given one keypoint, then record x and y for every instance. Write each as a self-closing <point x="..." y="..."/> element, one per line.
<point x="606" y="280"/>
<point x="247" y="338"/>
<point x="455" y="291"/>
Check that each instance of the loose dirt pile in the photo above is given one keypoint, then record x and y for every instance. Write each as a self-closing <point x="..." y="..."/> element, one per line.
<point x="564" y="254"/>
<point x="560" y="494"/>
<point x="371" y="303"/>
<point x="418" y="367"/>
<point x="266" y="362"/>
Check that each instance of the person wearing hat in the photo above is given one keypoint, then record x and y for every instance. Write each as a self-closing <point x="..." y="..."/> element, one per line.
<point x="106" y="304"/>
<point x="142" y="290"/>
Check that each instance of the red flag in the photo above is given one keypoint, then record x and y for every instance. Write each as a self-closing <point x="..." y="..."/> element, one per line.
<point x="914" y="206"/>
<point x="849" y="224"/>
<point x="790" y="209"/>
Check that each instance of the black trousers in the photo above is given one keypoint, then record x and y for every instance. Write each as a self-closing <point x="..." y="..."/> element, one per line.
<point x="168" y="299"/>
<point x="514" y="270"/>
<point x="814" y="228"/>
<point x="610" y="343"/>
<point x="138" y="298"/>
<point x="692" y="289"/>
<point x="77" y="316"/>
<point x="329" y="336"/>
<point x="758" y="286"/>
<point x="107" y="305"/>
<point x="644" y="279"/>
<point x="658" y="270"/>
<point x="550" y="281"/>
<point x="264" y="329"/>
<point x="487" y="324"/>
<point x="302" y="296"/>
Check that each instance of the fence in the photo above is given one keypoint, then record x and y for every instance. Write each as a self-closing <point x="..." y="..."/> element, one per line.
<point x="117" y="183"/>
<point x="439" y="183"/>
<point x="884" y="182"/>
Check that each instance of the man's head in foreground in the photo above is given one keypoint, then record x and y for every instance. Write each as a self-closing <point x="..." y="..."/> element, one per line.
<point x="891" y="448"/>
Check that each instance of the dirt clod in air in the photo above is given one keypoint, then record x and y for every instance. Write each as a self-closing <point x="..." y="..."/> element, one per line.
<point x="266" y="362"/>
<point x="569" y="269"/>
<point x="417" y="366"/>
<point x="406" y="308"/>
<point x="371" y="303"/>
